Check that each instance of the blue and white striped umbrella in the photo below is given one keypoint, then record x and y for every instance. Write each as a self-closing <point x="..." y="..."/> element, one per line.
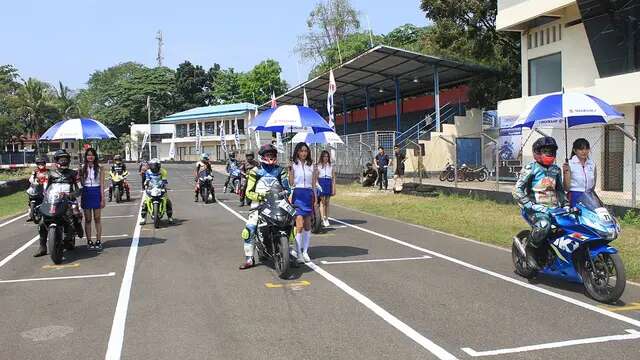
<point x="78" y="129"/>
<point x="325" y="137"/>
<point x="567" y="109"/>
<point x="290" y="118"/>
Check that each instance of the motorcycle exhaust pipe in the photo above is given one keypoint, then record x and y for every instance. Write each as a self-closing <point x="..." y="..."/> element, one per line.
<point x="519" y="246"/>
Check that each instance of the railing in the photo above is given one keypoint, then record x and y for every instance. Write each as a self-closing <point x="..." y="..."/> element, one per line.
<point x="424" y="127"/>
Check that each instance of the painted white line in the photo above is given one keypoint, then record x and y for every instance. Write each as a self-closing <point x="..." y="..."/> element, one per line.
<point x="116" y="338"/>
<point x="632" y="334"/>
<point x="429" y="345"/>
<point x="568" y="299"/>
<point x="374" y="260"/>
<point x="117" y="216"/>
<point x="117" y="205"/>
<point x="58" y="278"/>
<point x="14" y="219"/>
<point x="18" y="251"/>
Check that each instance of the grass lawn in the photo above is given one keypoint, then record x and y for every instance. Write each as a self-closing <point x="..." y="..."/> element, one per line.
<point x="482" y="220"/>
<point x="13" y="204"/>
<point x="20" y="173"/>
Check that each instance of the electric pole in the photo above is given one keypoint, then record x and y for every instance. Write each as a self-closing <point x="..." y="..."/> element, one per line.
<point x="160" y="44"/>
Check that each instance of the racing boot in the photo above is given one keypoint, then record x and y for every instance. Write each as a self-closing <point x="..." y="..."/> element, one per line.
<point x="196" y="198"/>
<point x="531" y="252"/>
<point x="248" y="263"/>
<point x="42" y="250"/>
<point x="77" y="224"/>
<point x="110" y="194"/>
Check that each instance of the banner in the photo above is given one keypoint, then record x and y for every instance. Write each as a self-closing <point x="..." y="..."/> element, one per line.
<point x="144" y="140"/>
<point x="256" y="132"/>
<point x="332" y="90"/>
<point x="236" y="135"/>
<point x="172" y="148"/>
<point x="223" y="140"/>
<point x="198" y="145"/>
<point x="510" y="140"/>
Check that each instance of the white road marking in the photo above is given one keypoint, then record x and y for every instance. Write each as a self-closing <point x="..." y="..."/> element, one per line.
<point x="116" y="204"/>
<point x="114" y="236"/>
<point x="568" y="299"/>
<point x="18" y="251"/>
<point x="117" y="216"/>
<point x="116" y="338"/>
<point x="59" y="278"/>
<point x="429" y="345"/>
<point x="14" y="219"/>
<point x="632" y="334"/>
<point x="374" y="260"/>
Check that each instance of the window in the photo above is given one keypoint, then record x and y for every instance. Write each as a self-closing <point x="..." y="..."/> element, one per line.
<point x="240" y="126"/>
<point x="535" y="39"/>
<point x="548" y="37"/>
<point x="545" y="74"/>
<point x="181" y="130"/>
<point x="560" y="32"/>
<point x="209" y="128"/>
<point x="553" y="33"/>
<point x="192" y="129"/>
<point x="529" y="39"/>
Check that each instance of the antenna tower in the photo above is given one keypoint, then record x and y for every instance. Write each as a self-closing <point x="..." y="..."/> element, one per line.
<point x="160" y="44"/>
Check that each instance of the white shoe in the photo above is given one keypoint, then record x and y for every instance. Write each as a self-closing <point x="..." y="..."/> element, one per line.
<point x="325" y="223"/>
<point x="305" y="257"/>
<point x="300" y="259"/>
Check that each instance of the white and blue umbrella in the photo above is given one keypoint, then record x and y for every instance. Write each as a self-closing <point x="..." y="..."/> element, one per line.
<point x="78" y="129"/>
<point x="567" y="110"/>
<point x="325" y="137"/>
<point x="290" y="118"/>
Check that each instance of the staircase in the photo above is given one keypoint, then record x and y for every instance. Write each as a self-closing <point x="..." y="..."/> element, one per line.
<point x="422" y="130"/>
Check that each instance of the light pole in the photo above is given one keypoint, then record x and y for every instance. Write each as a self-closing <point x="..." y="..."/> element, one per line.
<point x="149" y="122"/>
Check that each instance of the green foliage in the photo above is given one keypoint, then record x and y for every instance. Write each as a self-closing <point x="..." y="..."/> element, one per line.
<point x="351" y="46"/>
<point x="407" y="36"/>
<point x="631" y="217"/>
<point x="193" y="86"/>
<point x="226" y="86"/>
<point x="260" y="81"/>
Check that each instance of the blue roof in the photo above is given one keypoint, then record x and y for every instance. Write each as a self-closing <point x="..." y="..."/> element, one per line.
<point x="209" y="112"/>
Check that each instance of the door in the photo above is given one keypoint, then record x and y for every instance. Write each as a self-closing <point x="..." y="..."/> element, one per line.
<point x="468" y="151"/>
<point x="613" y="159"/>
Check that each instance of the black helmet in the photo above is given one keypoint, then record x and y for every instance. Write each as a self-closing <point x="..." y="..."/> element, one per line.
<point x="117" y="158"/>
<point x="41" y="161"/>
<point x="62" y="158"/>
<point x="267" y="149"/>
<point x="250" y="153"/>
<point x="369" y="164"/>
<point x="154" y="165"/>
<point x="545" y="143"/>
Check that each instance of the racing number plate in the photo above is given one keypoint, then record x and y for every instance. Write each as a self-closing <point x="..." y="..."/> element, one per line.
<point x="283" y="204"/>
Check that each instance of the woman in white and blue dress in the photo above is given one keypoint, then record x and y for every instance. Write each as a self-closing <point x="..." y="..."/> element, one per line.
<point x="303" y="179"/>
<point x="92" y="198"/>
<point x="327" y="182"/>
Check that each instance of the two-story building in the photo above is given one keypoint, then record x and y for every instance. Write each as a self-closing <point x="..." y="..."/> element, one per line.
<point x="585" y="46"/>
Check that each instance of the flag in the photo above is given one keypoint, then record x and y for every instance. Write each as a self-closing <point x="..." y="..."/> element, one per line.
<point x="223" y="140"/>
<point x="172" y="148"/>
<point x="279" y="144"/>
<point x="332" y="90"/>
<point x="197" y="137"/>
<point x="257" y="133"/>
<point x="274" y="104"/>
<point x="236" y="135"/>
<point x="305" y="100"/>
<point x="144" y="140"/>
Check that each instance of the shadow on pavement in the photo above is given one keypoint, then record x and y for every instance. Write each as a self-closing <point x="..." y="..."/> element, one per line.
<point x="144" y="241"/>
<point x="559" y="284"/>
<point x="352" y="221"/>
<point x="324" y="251"/>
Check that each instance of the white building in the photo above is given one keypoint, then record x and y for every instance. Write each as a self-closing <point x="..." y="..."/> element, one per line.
<point x="159" y="149"/>
<point x="584" y="46"/>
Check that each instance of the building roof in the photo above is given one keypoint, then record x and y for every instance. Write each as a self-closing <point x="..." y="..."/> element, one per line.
<point x="377" y="69"/>
<point x="206" y="112"/>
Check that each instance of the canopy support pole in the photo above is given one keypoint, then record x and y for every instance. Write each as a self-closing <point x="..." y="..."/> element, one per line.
<point x="366" y="98"/>
<point x="344" y="113"/>
<point x="398" y="104"/>
<point x="436" y="95"/>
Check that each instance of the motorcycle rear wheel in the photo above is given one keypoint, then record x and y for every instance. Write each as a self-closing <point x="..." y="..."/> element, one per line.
<point x="316" y="221"/>
<point x="451" y="176"/>
<point x="54" y="244"/>
<point x="482" y="175"/>
<point x="204" y="193"/>
<point x="520" y="264"/>
<point x="281" y="256"/>
<point x="443" y="175"/>
<point x="117" y="194"/>
<point x="597" y="281"/>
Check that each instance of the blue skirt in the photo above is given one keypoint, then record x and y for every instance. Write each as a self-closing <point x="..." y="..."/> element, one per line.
<point x="303" y="201"/>
<point x="327" y="186"/>
<point x="91" y="197"/>
<point x="574" y="196"/>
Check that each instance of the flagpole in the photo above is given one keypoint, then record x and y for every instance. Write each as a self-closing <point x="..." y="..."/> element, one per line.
<point x="149" y="121"/>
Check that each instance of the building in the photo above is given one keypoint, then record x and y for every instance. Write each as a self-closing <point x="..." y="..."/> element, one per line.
<point x="584" y="46"/>
<point x="159" y="149"/>
<point x="211" y="120"/>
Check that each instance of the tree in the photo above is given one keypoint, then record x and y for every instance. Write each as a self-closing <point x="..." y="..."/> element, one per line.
<point x="407" y="36"/>
<point x="35" y="104"/>
<point x="193" y="85"/>
<point x="226" y="86"/>
<point x="8" y="88"/>
<point x="327" y="24"/>
<point x="261" y="81"/>
<point x="66" y="102"/>
<point x="350" y="47"/>
<point x="466" y="30"/>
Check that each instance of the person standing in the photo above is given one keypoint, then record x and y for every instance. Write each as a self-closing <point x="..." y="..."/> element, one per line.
<point x="398" y="175"/>
<point x="248" y="164"/>
<point x="580" y="172"/>
<point x="327" y="182"/>
<point x="92" y="198"/>
<point x="304" y="177"/>
<point x="382" y="163"/>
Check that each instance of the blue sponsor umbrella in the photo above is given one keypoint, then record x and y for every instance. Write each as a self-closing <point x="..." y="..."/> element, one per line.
<point x="567" y="110"/>
<point x="290" y="118"/>
<point x="78" y="129"/>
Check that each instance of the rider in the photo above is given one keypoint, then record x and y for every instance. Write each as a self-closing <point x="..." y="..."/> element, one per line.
<point x="63" y="175"/>
<point x="155" y="172"/>
<point x="118" y="168"/>
<point x="245" y="168"/>
<point x="232" y="163"/>
<point x="270" y="168"/>
<point x="538" y="190"/>
<point x="39" y="176"/>
<point x="202" y="165"/>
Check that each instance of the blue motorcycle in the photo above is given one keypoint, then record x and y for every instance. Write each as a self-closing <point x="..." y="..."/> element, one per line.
<point x="578" y="249"/>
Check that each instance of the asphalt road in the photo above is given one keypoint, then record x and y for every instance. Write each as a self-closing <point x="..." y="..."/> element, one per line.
<point x="176" y="293"/>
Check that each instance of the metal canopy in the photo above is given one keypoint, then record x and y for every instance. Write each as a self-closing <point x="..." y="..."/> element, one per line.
<point x="376" y="70"/>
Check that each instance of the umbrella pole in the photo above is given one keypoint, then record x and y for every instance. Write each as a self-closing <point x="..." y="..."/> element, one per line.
<point x="566" y="142"/>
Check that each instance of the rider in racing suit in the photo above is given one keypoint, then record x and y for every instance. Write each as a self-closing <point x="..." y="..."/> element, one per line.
<point x="232" y="163"/>
<point x="270" y="168"/>
<point x="203" y="164"/>
<point x="538" y="190"/>
<point x="39" y="176"/>
<point x="119" y="168"/>
<point x="155" y="172"/>
<point x="63" y="175"/>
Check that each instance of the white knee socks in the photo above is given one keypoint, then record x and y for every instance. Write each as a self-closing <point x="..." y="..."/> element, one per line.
<point x="299" y="244"/>
<point x="306" y="237"/>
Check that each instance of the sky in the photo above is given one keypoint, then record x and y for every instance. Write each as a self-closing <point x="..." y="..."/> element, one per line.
<point x="67" y="40"/>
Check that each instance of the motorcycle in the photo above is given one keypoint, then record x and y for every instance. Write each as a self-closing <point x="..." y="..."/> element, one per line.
<point x="275" y="226"/>
<point x="57" y="215"/>
<point x="316" y="220"/>
<point x="35" y="193"/>
<point x="205" y="186"/>
<point x="119" y="186"/>
<point x="447" y="173"/>
<point x="234" y="180"/>
<point x="156" y="201"/>
<point x="481" y="174"/>
<point x="578" y="250"/>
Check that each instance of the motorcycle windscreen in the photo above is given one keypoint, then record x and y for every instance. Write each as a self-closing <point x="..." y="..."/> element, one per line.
<point x="54" y="198"/>
<point x="595" y="215"/>
<point x="268" y="184"/>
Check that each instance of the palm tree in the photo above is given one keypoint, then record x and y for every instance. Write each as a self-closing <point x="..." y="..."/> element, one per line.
<point x="35" y="102"/>
<point x="66" y="101"/>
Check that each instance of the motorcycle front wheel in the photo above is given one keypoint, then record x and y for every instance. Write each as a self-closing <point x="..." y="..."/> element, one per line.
<point x="117" y="194"/>
<point x="156" y="215"/>
<point x="482" y="175"/>
<point x="281" y="256"/>
<point x="443" y="175"/>
<point x="605" y="280"/>
<point x="520" y="264"/>
<point x="316" y="221"/>
<point x="204" y="193"/>
<point x="54" y="244"/>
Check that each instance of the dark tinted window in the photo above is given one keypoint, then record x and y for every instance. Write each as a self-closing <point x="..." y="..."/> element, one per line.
<point x="545" y="74"/>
